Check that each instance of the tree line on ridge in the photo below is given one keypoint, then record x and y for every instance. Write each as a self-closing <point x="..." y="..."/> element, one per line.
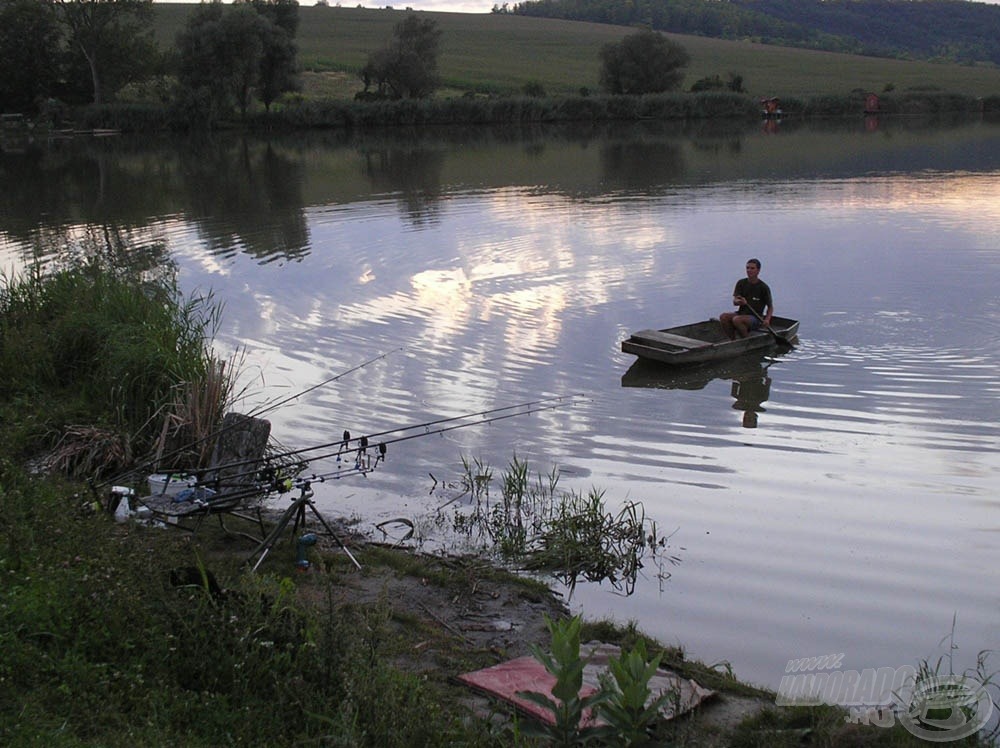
<point x="947" y="30"/>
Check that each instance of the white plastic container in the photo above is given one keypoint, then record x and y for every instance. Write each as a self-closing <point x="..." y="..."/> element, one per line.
<point x="124" y="508"/>
<point x="162" y="484"/>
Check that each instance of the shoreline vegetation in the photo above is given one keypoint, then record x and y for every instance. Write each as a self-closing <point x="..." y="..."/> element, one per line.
<point x="343" y="114"/>
<point x="126" y="634"/>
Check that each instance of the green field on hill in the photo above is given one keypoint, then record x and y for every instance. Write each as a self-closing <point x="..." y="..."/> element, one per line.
<point x="498" y="53"/>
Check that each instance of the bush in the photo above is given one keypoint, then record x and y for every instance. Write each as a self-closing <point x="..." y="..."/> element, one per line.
<point x="721" y="105"/>
<point x="665" y="106"/>
<point x="916" y="102"/>
<point x="991" y="104"/>
<point x="133" y="117"/>
<point x="711" y="83"/>
<point x="587" y="108"/>
<point x="533" y="89"/>
<point x="832" y="105"/>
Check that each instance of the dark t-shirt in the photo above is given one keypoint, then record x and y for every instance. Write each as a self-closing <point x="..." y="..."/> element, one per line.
<point x="757" y="294"/>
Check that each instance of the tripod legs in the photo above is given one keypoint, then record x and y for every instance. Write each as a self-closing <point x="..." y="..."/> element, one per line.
<point x="296" y="511"/>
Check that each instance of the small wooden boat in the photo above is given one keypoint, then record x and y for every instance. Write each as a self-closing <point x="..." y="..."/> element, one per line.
<point x="703" y="342"/>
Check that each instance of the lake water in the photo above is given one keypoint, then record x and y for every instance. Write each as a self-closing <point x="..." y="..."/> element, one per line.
<point x="859" y="516"/>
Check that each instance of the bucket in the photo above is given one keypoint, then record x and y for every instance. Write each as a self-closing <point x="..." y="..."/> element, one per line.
<point x="164" y="484"/>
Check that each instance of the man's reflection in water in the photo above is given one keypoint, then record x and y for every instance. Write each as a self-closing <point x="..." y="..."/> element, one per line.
<point x="750" y="391"/>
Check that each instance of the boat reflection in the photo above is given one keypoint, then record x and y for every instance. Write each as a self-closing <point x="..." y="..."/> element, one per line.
<point x="751" y="382"/>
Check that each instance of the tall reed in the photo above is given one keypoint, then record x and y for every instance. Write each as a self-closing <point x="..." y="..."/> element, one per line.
<point x="92" y="351"/>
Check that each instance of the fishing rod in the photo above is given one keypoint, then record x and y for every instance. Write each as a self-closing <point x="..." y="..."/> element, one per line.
<point x="363" y="442"/>
<point x="486" y="415"/>
<point x="364" y="463"/>
<point x="149" y="464"/>
<point x="365" y="466"/>
<point x="268" y="409"/>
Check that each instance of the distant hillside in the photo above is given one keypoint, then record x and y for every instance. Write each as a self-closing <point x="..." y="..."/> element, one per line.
<point x="944" y="30"/>
<point x="499" y="53"/>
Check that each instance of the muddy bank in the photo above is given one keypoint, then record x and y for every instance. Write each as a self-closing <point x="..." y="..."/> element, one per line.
<point x="454" y="614"/>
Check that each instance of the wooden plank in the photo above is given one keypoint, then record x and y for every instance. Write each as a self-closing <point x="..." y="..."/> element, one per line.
<point x="668" y="338"/>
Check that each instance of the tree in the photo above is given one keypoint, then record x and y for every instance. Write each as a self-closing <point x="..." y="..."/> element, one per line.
<point x="407" y="67"/>
<point x="220" y="51"/>
<point x="279" y="59"/>
<point x="29" y="55"/>
<point x="278" y="68"/>
<point x="709" y="83"/>
<point x="114" y="38"/>
<point x="282" y="13"/>
<point x="229" y="55"/>
<point x="642" y="63"/>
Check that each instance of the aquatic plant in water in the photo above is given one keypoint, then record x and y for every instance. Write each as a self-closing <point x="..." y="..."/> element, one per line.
<point x="538" y="528"/>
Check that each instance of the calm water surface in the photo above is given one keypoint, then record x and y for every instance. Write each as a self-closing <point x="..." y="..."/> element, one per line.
<point x="859" y="515"/>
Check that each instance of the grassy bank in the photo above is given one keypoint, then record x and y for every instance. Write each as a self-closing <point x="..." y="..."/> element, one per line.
<point x="99" y="648"/>
<point x="495" y="53"/>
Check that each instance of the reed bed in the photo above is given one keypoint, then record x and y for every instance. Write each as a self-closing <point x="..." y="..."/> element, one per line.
<point x="91" y="354"/>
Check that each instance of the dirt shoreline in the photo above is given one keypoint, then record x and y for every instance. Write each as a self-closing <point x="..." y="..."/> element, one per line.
<point x="459" y="613"/>
<point x="439" y="616"/>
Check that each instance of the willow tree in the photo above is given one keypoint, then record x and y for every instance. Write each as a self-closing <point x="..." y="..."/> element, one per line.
<point x="231" y="54"/>
<point x="111" y="35"/>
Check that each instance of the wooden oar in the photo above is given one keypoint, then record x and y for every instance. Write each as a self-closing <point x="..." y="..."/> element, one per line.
<point x="767" y="327"/>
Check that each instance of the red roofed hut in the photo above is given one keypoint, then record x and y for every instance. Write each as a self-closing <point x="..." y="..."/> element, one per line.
<point x="770" y="107"/>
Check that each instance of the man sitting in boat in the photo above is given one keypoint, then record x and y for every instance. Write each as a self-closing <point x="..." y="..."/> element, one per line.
<point x="753" y="297"/>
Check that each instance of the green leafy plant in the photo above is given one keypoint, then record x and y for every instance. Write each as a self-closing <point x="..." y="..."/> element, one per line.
<point x="570" y="711"/>
<point x="629" y="708"/>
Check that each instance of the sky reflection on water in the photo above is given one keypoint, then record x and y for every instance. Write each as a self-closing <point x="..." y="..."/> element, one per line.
<point x="858" y="516"/>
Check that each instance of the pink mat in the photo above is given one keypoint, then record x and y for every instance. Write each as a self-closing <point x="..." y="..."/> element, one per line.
<point x="523" y="674"/>
<point x="503" y="681"/>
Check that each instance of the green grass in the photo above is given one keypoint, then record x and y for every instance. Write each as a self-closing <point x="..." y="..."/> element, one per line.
<point x="494" y="53"/>
<point x="99" y="649"/>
